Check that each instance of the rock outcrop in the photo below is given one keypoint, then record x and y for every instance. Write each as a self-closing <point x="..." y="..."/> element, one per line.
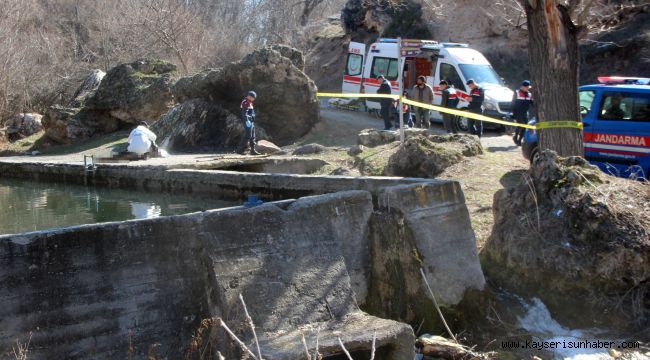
<point x="87" y="88"/>
<point x="309" y="149"/>
<point x="286" y="104"/>
<point x="139" y="91"/>
<point x="126" y="95"/>
<point x="427" y="156"/>
<point x="577" y="239"/>
<point x="368" y="20"/>
<point x="22" y="125"/>
<point x="374" y="137"/>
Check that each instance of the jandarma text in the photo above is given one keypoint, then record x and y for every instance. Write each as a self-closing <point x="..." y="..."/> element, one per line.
<point x="570" y="344"/>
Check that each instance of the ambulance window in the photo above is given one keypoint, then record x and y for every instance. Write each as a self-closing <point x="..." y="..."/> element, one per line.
<point x="355" y="62"/>
<point x="384" y="66"/>
<point x="449" y="73"/>
<point x="586" y="99"/>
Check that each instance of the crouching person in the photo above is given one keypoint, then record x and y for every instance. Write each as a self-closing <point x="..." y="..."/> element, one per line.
<point x="142" y="141"/>
<point x="247" y="115"/>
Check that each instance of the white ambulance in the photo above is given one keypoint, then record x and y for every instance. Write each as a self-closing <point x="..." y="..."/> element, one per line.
<point x="453" y="62"/>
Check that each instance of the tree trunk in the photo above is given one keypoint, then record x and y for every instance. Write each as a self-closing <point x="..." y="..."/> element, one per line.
<point x="553" y="56"/>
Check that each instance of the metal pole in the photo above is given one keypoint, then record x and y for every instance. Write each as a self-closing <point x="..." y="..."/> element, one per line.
<point x="401" y="89"/>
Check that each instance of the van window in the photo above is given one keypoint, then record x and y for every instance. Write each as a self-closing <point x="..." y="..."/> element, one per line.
<point x="449" y="73"/>
<point x="355" y="62"/>
<point x="384" y="66"/>
<point x="625" y="106"/>
<point x="586" y="99"/>
<point x="482" y="74"/>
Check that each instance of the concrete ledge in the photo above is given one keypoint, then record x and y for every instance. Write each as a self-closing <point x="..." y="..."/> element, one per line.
<point x="224" y="184"/>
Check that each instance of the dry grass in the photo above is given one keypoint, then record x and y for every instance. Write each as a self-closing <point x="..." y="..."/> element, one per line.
<point x="480" y="178"/>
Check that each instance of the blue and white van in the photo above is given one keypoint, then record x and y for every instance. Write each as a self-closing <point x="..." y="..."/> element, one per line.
<point x="616" y="119"/>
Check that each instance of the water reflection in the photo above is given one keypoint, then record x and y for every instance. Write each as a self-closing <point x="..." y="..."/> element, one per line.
<point x="29" y="206"/>
<point x="145" y="210"/>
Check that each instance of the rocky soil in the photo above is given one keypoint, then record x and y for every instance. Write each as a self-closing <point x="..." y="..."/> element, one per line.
<point x="570" y="231"/>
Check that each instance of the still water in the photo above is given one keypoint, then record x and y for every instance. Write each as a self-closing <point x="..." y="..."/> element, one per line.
<point x="28" y="205"/>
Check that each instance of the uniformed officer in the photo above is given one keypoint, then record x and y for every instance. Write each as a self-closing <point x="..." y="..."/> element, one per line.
<point x="385" y="89"/>
<point x="247" y="116"/>
<point x="477" y="96"/>
<point x="521" y="102"/>
<point x="449" y="100"/>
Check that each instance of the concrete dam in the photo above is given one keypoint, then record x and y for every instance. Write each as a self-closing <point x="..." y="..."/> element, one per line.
<point x="325" y="257"/>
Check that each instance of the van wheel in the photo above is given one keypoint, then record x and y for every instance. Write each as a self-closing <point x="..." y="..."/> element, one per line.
<point x="534" y="154"/>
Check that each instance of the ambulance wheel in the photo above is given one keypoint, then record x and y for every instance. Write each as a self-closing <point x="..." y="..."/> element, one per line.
<point x="462" y="124"/>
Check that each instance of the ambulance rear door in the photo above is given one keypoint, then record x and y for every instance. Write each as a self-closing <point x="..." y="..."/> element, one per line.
<point x="353" y="75"/>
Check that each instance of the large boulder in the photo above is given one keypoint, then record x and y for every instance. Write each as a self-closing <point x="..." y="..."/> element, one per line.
<point x="576" y="238"/>
<point x="199" y="125"/>
<point x="286" y="105"/>
<point x="139" y="91"/>
<point x="69" y="125"/>
<point x="22" y="125"/>
<point x="87" y="88"/>
<point x="126" y="95"/>
<point x="428" y="156"/>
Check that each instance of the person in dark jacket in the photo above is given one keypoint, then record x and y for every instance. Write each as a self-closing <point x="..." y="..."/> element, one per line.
<point x="386" y="103"/>
<point x="247" y="116"/>
<point x="521" y="102"/>
<point x="423" y="93"/>
<point x="477" y="96"/>
<point x="449" y="100"/>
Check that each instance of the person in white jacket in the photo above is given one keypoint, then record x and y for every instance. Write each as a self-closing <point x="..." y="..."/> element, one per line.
<point x="142" y="140"/>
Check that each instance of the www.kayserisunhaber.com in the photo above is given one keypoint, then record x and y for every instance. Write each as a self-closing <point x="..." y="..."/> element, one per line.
<point x="570" y="344"/>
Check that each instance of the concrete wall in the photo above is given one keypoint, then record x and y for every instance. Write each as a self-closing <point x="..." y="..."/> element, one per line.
<point x="81" y="289"/>
<point x="308" y="261"/>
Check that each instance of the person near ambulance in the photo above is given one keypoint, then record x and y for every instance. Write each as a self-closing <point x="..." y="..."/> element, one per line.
<point x="406" y="113"/>
<point x="247" y="116"/>
<point x="476" y="98"/>
<point x="142" y="140"/>
<point x="449" y="100"/>
<point x="386" y="103"/>
<point x="521" y="102"/>
<point x="423" y="93"/>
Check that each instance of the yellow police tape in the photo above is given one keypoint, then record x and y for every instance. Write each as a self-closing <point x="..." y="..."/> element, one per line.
<point x="463" y="113"/>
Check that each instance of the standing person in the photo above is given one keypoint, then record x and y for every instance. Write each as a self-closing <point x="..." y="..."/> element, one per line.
<point x="477" y="96"/>
<point x="406" y="113"/>
<point x="247" y="115"/>
<point x="449" y="100"/>
<point x="386" y="103"/>
<point x="521" y="101"/>
<point x="423" y="93"/>
<point x="141" y="140"/>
